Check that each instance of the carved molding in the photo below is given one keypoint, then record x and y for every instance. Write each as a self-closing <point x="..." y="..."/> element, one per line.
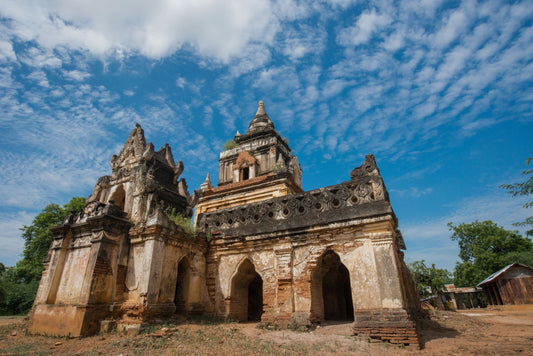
<point x="363" y="190"/>
<point x="57" y="243"/>
<point x="84" y="241"/>
<point x="368" y="168"/>
<point x="105" y="237"/>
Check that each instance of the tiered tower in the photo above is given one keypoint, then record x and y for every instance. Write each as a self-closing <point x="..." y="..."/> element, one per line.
<point x="260" y="167"/>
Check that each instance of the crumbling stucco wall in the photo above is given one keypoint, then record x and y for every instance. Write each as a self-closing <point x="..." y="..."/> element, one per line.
<point x="276" y="254"/>
<point x="287" y="266"/>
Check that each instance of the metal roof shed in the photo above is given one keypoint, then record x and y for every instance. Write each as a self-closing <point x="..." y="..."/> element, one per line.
<point x="512" y="284"/>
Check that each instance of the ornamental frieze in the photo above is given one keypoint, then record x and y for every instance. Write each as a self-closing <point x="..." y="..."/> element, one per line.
<point x="366" y="187"/>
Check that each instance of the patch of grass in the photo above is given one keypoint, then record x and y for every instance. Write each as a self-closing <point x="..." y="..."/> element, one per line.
<point x="293" y="325"/>
<point x="18" y="349"/>
<point x="150" y="329"/>
<point x="208" y="320"/>
<point x="297" y="327"/>
<point x="269" y="326"/>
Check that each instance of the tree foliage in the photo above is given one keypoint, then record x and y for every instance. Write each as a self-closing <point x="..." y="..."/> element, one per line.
<point x="230" y="144"/>
<point x="526" y="189"/>
<point x="18" y="284"/>
<point x="38" y="237"/>
<point x="486" y="247"/>
<point x="16" y="298"/>
<point x="430" y="279"/>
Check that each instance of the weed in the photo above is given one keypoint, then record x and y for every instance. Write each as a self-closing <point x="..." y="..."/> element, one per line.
<point x="297" y="327"/>
<point x="150" y="329"/>
<point x="269" y="326"/>
<point x="182" y="221"/>
<point x="208" y="320"/>
<point x="232" y="332"/>
<point x="230" y="144"/>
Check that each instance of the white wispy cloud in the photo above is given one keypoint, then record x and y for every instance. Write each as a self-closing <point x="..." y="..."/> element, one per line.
<point x="6" y="50"/>
<point x="367" y="24"/>
<point x="11" y="236"/>
<point x="220" y="29"/>
<point x="304" y="41"/>
<point x="65" y="133"/>
<point x="76" y="75"/>
<point x="340" y="78"/>
<point x="455" y="25"/>
<point x="40" y="77"/>
<point x="411" y="192"/>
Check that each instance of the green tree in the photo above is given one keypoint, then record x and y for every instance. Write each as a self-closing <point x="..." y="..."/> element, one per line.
<point x="16" y="297"/>
<point x="3" y="291"/>
<point x="486" y="247"/>
<point x="38" y="237"/>
<point x="430" y="280"/>
<point x="524" y="188"/>
<point x="18" y="284"/>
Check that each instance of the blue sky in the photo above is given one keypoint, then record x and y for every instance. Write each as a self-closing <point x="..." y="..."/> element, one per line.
<point x="439" y="91"/>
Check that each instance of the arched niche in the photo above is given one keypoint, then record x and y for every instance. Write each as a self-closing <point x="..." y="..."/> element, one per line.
<point x="246" y="166"/>
<point x="118" y="196"/>
<point x="246" y="299"/>
<point x="182" y="286"/>
<point x="331" y="293"/>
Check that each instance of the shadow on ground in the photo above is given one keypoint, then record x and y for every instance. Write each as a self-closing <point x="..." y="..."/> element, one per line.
<point x="430" y="330"/>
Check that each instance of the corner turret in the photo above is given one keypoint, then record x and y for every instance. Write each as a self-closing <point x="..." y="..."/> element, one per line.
<point x="142" y="180"/>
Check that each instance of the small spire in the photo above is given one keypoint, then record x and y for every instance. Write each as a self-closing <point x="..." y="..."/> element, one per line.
<point x="206" y="184"/>
<point x="261" y="121"/>
<point x="260" y="109"/>
<point x="237" y="134"/>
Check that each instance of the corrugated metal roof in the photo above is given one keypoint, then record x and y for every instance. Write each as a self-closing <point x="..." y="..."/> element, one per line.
<point x="498" y="273"/>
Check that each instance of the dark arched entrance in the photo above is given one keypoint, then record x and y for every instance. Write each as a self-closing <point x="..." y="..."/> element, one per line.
<point x="330" y="290"/>
<point x="182" y="286"/>
<point x="246" y="300"/>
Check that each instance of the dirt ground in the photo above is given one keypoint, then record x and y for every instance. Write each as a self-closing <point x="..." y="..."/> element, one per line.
<point x="472" y="332"/>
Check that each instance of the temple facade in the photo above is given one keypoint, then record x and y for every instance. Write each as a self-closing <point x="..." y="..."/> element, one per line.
<point x="262" y="248"/>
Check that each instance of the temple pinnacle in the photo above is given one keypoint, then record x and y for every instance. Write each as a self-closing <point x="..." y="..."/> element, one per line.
<point x="260" y="109"/>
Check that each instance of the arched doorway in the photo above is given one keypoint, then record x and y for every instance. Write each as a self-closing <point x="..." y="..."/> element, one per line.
<point x="182" y="286"/>
<point x="331" y="292"/>
<point x="246" y="299"/>
<point x="118" y="197"/>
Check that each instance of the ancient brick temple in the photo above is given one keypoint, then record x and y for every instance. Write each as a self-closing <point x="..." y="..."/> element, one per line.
<point x="265" y="251"/>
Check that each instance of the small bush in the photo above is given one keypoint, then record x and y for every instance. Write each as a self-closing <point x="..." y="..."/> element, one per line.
<point x="230" y="144"/>
<point x="180" y="220"/>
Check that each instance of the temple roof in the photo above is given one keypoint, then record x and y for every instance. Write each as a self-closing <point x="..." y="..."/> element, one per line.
<point x="261" y="121"/>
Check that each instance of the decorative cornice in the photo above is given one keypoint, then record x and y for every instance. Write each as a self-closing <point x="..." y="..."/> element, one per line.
<point x="364" y="195"/>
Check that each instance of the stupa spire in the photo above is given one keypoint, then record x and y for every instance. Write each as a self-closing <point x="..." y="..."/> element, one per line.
<point x="261" y="121"/>
<point x="260" y="109"/>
